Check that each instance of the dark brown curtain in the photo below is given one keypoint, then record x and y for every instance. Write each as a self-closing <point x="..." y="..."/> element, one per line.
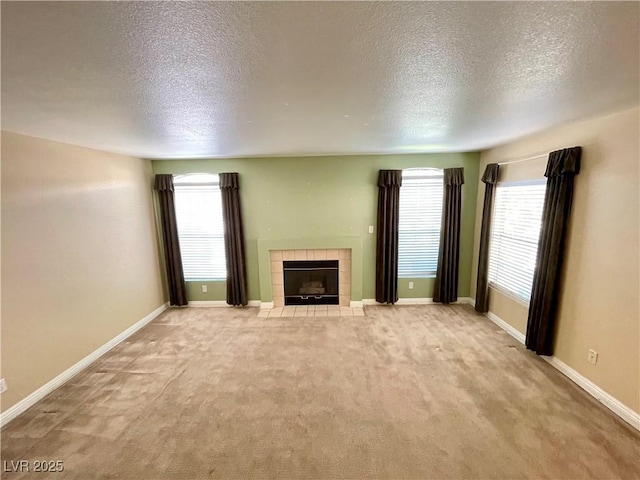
<point x="490" y="178"/>
<point x="562" y="167"/>
<point x="389" y="183"/>
<point x="234" y="240"/>
<point x="446" y="286"/>
<point x="172" y="257"/>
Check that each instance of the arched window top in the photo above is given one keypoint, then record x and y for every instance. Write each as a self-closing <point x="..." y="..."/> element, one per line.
<point x="197" y="179"/>
<point x="422" y="172"/>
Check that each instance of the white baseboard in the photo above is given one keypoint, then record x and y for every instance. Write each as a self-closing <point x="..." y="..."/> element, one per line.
<point x="356" y="304"/>
<point x="414" y="301"/>
<point x="401" y="301"/>
<point x="220" y="303"/>
<point x="466" y="301"/>
<point x="71" y="372"/>
<point x="511" y="330"/>
<point x="208" y="303"/>
<point x="417" y="301"/>
<point x="616" y="406"/>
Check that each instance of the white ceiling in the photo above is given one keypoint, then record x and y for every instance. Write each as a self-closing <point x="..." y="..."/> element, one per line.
<point x="192" y="79"/>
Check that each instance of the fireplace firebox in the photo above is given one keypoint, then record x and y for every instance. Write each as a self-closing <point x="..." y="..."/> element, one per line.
<point x="311" y="282"/>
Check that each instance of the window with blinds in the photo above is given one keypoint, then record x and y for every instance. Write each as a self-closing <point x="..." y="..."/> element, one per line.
<point x="515" y="229"/>
<point x="200" y="226"/>
<point x="420" y="219"/>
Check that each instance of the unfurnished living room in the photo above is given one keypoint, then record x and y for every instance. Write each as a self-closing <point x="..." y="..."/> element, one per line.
<point x="320" y="240"/>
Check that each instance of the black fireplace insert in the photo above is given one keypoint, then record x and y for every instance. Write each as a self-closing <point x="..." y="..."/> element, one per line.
<point x="311" y="282"/>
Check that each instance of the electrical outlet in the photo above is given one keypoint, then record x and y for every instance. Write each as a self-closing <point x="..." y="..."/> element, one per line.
<point x="3" y="385"/>
<point x="370" y="228"/>
<point x="410" y="285"/>
<point x="592" y="356"/>
<point x="204" y="289"/>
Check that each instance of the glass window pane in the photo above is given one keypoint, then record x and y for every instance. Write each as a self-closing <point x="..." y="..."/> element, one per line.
<point x="419" y="224"/>
<point x="515" y="229"/>
<point x="200" y="229"/>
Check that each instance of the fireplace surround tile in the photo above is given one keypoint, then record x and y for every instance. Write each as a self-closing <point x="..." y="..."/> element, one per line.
<point x="288" y="311"/>
<point x="321" y="246"/>
<point x="277" y="278"/>
<point x="344" y="270"/>
<point x="332" y="255"/>
<point x="320" y="254"/>
<point x="311" y="311"/>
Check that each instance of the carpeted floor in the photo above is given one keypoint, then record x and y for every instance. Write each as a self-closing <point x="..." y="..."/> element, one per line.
<point x="404" y="392"/>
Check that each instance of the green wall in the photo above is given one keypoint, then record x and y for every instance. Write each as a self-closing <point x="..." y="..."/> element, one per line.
<point x="324" y="197"/>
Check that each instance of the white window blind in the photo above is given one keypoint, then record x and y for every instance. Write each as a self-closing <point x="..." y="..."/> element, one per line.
<point x="515" y="229"/>
<point x="419" y="225"/>
<point x="200" y="227"/>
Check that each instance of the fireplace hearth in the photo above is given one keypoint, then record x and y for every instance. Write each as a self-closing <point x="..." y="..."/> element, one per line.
<point x="311" y="282"/>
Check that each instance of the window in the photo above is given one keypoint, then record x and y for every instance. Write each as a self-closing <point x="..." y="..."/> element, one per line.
<point x="515" y="229"/>
<point x="200" y="226"/>
<point x="420" y="218"/>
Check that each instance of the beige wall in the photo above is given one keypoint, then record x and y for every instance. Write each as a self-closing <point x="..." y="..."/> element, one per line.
<point x="599" y="306"/>
<point x="79" y="257"/>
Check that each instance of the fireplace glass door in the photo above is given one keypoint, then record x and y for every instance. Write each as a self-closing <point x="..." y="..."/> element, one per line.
<point x="311" y="282"/>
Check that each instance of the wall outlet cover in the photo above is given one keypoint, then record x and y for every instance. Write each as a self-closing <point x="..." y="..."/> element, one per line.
<point x="3" y="385"/>
<point x="204" y="289"/>
<point x="592" y="357"/>
<point x="410" y="285"/>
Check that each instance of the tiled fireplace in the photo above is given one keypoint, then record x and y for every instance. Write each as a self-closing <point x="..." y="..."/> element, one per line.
<point x="343" y="256"/>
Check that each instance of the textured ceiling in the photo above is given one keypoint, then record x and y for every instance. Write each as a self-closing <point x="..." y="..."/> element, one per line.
<point x="190" y="79"/>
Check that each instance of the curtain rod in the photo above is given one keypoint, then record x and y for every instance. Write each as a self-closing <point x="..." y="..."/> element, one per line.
<point x="523" y="159"/>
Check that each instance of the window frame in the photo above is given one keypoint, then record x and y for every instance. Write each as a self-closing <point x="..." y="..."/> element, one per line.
<point x="491" y="283"/>
<point x="420" y="173"/>
<point x="181" y="182"/>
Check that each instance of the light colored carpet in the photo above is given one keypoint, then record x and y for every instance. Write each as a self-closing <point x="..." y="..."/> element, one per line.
<point x="404" y="392"/>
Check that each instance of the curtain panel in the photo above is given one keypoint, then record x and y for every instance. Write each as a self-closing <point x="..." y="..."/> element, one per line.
<point x="562" y="168"/>
<point x="389" y="183"/>
<point x="234" y="240"/>
<point x="446" y="285"/>
<point x="489" y="178"/>
<point x="172" y="257"/>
